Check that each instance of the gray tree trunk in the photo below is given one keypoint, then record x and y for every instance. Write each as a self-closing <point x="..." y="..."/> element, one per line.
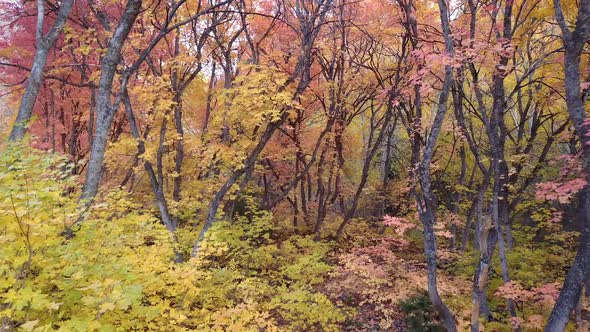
<point x="426" y="199"/>
<point x="43" y="44"/>
<point x="104" y="106"/>
<point x="156" y="183"/>
<point x="574" y="42"/>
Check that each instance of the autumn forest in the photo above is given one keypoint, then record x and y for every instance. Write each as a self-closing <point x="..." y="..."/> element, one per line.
<point x="295" y="165"/>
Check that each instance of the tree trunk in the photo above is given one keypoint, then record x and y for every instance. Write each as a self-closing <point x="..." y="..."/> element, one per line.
<point x="481" y="275"/>
<point x="426" y="200"/>
<point x="43" y="44"/>
<point x="321" y="192"/>
<point x="457" y="198"/>
<point x="209" y="98"/>
<point x="156" y="183"/>
<point x="574" y="42"/>
<point x="104" y="106"/>
<point x="179" y="151"/>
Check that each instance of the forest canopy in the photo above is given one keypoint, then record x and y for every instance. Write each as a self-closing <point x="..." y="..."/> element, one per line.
<point x="295" y="165"/>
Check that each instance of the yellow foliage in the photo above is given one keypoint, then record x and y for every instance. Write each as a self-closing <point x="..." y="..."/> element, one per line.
<point x="117" y="272"/>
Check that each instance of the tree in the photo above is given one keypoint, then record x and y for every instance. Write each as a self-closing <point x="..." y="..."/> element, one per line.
<point x="105" y="109"/>
<point x="310" y="20"/>
<point x="232" y="141"/>
<point x="426" y="200"/>
<point x="44" y="43"/>
<point x="573" y="43"/>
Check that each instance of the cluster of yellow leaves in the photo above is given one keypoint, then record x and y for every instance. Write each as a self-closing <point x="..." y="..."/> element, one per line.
<point x="96" y="280"/>
<point x="255" y="99"/>
<point x="117" y="271"/>
<point x="80" y="42"/>
<point x="259" y="280"/>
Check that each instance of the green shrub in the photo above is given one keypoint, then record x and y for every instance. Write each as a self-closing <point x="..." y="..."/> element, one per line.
<point x="420" y="314"/>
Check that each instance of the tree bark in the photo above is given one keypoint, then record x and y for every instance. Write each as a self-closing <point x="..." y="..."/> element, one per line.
<point x="104" y="106"/>
<point x="43" y="44"/>
<point x="574" y="42"/>
<point x="426" y="199"/>
<point x="209" y="98"/>
<point x="155" y="182"/>
<point x="480" y="278"/>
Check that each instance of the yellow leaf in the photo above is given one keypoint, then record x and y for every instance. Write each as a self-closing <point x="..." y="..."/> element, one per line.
<point x="53" y="306"/>
<point x="30" y="325"/>
<point x="106" y="306"/>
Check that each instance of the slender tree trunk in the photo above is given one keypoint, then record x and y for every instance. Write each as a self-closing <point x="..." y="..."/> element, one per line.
<point x="387" y="144"/>
<point x="91" y="114"/>
<point x="496" y="211"/>
<point x="457" y="198"/>
<point x="53" y="119"/>
<point x="574" y="42"/>
<point x="43" y="44"/>
<point x="321" y="191"/>
<point x="426" y="200"/>
<point x="302" y="174"/>
<point x="160" y="193"/>
<point x="572" y="286"/>
<point x="427" y="209"/>
<point x="156" y="183"/>
<point x="481" y="275"/>
<point x="105" y="110"/>
<point x="179" y="151"/>
<point x="467" y="229"/>
<point x="209" y="98"/>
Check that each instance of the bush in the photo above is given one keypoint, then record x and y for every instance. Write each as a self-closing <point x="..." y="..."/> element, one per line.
<point x="420" y="314"/>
